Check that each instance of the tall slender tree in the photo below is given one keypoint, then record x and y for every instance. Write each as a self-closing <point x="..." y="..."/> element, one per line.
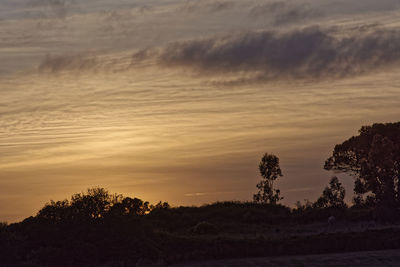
<point x="270" y="171"/>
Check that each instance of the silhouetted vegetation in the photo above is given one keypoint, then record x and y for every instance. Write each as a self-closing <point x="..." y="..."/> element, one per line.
<point x="94" y="205"/>
<point x="374" y="158"/>
<point x="98" y="228"/>
<point x="270" y="171"/>
<point x="203" y="228"/>
<point x="332" y="196"/>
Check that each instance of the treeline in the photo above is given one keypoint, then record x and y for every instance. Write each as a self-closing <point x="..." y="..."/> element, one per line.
<point x="97" y="228"/>
<point x="96" y="204"/>
<point x="372" y="158"/>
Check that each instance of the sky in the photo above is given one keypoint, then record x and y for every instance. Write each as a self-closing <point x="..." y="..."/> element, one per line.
<point x="179" y="100"/>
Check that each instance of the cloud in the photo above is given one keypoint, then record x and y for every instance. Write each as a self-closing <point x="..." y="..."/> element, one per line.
<point x="206" y="6"/>
<point x="299" y="189"/>
<point x="59" y="8"/>
<point x="55" y="64"/>
<point x="85" y="62"/>
<point x="200" y="194"/>
<point x="365" y="6"/>
<point x="195" y="194"/>
<point x="51" y="3"/>
<point x="307" y="53"/>
<point x="285" y="12"/>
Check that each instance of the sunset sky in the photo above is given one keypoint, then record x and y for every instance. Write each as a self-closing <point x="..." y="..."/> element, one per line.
<point x="178" y="100"/>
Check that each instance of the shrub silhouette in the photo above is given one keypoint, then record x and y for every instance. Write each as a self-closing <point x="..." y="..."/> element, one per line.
<point x="129" y="206"/>
<point x="3" y="226"/>
<point x="332" y="196"/>
<point x="92" y="205"/>
<point x="89" y="206"/>
<point x="56" y="211"/>
<point x="205" y="228"/>
<point x="95" y="204"/>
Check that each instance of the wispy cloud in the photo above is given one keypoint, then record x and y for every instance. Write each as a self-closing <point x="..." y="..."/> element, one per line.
<point x="195" y="194"/>
<point x="285" y="12"/>
<point x="307" y="53"/>
<point x="53" y="8"/>
<point x="206" y="6"/>
<point x="200" y="194"/>
<point x="84" y="62"/>
<point x="56" y="64"/>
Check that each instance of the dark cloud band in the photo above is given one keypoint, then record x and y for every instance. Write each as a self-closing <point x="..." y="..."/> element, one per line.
<point x="285" y="12"/>
<point x="307" y="53"/>
<point x="56" y="64"/>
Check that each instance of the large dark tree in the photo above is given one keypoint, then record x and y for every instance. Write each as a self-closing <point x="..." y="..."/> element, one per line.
<point x="270" y="171"/>
<point x="373" y="157"/>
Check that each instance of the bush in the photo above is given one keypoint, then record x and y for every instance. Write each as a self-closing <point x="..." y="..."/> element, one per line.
<point x="3" y="226"/>
<point x="205" y="228"/>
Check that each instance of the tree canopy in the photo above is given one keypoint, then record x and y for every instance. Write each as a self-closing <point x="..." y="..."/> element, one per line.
<point x="332" y="196"/>
<point x="270" y="170"/>
<point x="373" y="157"/>
<point x="95" y="204"/>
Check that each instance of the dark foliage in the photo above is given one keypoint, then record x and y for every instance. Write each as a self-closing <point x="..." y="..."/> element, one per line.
<point x="96" y="228"/>
<point x="269" y="171"/>
<point x="374" y="158"/>
<point x="205" y="228"/>
<point x="332" y="196"/>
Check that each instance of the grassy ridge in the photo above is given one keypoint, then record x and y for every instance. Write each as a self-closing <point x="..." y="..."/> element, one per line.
<point x="167" y="235"/>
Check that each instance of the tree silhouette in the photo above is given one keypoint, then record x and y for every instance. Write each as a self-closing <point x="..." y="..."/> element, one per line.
<point x="270" y="171"/>
<point x="93" y="205"/>
<point x="332" y="196"/>
<point x="56" y="211"/>
<point x="373" y="157"/>
<point x="130" y="206"/>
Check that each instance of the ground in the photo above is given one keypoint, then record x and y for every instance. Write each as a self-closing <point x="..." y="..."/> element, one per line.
<point x="365" y="258"/>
